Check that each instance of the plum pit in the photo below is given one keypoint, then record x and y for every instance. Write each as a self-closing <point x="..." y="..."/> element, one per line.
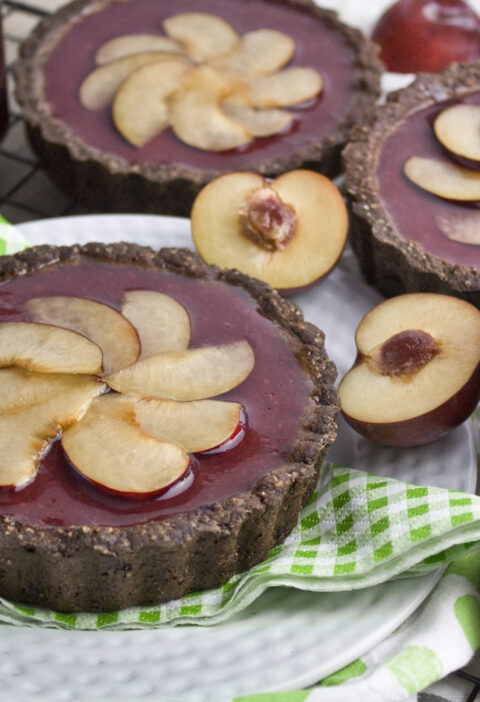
<point x="267" y="220"/>
<point x="405" y="353"/>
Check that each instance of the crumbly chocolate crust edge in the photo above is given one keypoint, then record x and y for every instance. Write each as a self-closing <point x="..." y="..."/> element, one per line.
<point x="170" y="189"/>
<point x="105" y="568"/>
<point x="394" y="264"/>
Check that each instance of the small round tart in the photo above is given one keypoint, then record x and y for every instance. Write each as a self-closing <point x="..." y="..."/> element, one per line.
<point x="411" y="189"/>
<point x="88" y="528"/>
<point x="133" y="106"/>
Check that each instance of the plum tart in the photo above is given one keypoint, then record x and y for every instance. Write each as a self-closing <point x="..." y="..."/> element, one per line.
<point x="134" y="106"/>
<point x="412" y="182"/>
<point x="163" y="423"/>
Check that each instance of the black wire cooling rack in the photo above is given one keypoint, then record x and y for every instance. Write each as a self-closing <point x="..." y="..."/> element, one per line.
<point x="27" y="193"/>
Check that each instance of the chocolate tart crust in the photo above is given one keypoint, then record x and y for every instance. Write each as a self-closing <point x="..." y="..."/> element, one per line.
<point x="392" y="263"/>
<point x="110" y="183"/>
<point x="101" y="569"/>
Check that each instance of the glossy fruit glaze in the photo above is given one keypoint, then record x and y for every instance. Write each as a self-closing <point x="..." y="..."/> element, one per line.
<point x="274" y="396"/>
<point x="317" y="45"/>
<point x="414" y="212"/>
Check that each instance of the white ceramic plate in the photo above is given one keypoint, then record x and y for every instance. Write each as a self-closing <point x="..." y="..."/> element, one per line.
<point x="285" y="640"/>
